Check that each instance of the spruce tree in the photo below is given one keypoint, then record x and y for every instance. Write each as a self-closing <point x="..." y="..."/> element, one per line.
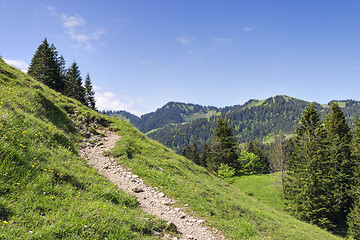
<point x="89" y="93"/>
<point x="342" y="166"/>
<point x="74" y="87"/>
<point x="223" y="146"/>
<point x="45" y="67"/>
<point x="194" y="154"/>
<point x="354" y="216"/>
<point x="307" y="186"/>
<point x="204" y="155"/>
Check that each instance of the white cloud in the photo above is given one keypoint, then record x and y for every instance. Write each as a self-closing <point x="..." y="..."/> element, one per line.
<point x="110" y="101"/>
<point x="185" y="40"/>
<point x="23" y="66"/>
<point x="75" y="28"/>
<point x="222" y="40"/>
<point x="145" y="62"/>
<point x="247" y="29"/>
<point x="72" y="21"/>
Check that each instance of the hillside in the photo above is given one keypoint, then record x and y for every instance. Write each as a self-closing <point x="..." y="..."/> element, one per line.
<point x="47" y="191"/>
<point x="178" y="124"/>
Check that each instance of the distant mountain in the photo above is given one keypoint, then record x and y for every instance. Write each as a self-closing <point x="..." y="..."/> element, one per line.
<point x="178" y="124"/>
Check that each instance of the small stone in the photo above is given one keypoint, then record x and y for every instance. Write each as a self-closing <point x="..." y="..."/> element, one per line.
<point x="183" y="216"/>
<point x="161" y="194"/>
<point x="135" y="176"/>
<point x="200" y="221"/>
<point x="138" y="190"/>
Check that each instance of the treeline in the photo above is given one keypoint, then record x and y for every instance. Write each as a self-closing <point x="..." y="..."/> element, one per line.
<point x="224" y="153"/>
<point x="320" y="166"/>
<point x="49" y="68"/>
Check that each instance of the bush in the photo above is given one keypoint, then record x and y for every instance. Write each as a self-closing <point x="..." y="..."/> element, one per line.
<point x="225" y="172"/>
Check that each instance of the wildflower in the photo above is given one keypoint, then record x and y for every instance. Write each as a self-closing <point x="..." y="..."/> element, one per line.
<point x="5" y="222"/>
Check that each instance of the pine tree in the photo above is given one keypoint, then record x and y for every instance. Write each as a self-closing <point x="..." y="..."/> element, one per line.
<point x="307" y="185"/>
<point x="186" y="151"/>
<point x="89" y="93"/>
<point x="223" y="146"/>
<point x="74" y="87"/>
<point x="342" y="166"/>
<point x="45" y="67"/>
<point x="204" y="155"/>
<point x="194" y="154"/>
<point x="354" y="216"/>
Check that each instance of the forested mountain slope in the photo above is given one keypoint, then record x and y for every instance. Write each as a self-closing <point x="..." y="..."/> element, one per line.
<point x="178" y="124"/>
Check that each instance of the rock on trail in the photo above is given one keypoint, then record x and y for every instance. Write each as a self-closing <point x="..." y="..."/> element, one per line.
<point x="151" y="200"/>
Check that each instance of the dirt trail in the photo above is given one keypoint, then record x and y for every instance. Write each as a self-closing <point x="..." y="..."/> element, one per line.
<point x="150" y="199"/>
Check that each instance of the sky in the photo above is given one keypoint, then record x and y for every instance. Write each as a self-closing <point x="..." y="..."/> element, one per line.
<point x="141" y="54"/>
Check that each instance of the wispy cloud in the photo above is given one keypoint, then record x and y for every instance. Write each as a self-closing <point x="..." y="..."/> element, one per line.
<point x="185" y="40"/>
<point x="110" y="101"/>
<point x="75" y="28"/>
<point x="222" y="40"/>
<point x="145" y="62"/>
<point x="23" y="66"/>
<point x="247" y="29"/>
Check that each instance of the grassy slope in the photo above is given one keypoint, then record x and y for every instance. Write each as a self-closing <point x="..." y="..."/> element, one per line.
<point x="46" y="190"/>
<point x="224" y="206"/>
<point x="265" y="187"/>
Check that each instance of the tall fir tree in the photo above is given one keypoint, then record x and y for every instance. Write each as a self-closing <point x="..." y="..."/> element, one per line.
<point x="194" y="154"/>
<point x="341" y="173"/>
<point x="45" y="67"/>
<point x="223" y="146"/>
<point x="354" y="215"/>
<point x="204" y="155"/>
<point x="74" y="87"/>
<point x="307" y="186"/>
<point x="89" y="93"/>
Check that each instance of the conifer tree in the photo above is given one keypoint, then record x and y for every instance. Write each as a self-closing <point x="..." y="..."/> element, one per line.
<point x="354" y="216"/>
<point x="341" y="174"/>
<point x="74" y="87"/>
<point x="223" y="146"/>
<point x="89" y="93"/>
<point x="204" y="155"/>
<point x="186" y="151"/>
<point x="45" y="67"/>
<point x="194" y="154"/>
<point x="307" y="185"/>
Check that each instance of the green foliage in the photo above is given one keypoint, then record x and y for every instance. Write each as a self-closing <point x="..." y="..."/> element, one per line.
<point x="248" y="163"/>
<point x="307" y="184"/>
<point x="89" y="93"/>
<point x="225" y="172"/>
<point x="341" y="174"/>
<point x="74" y="87"/>
<point x="45" y="67"/>
<point x="223" y="146"/>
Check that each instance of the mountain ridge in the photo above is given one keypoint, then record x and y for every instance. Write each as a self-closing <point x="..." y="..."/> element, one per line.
<point x="178" y="124"/>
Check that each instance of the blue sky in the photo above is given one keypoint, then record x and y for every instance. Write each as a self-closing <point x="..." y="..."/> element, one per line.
<point x="141" y="54"/>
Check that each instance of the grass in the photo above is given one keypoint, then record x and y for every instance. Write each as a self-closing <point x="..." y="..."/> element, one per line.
<point x="224" y="206"/>
<point x="46" y="190"/>
<point x="265" y="187"/>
